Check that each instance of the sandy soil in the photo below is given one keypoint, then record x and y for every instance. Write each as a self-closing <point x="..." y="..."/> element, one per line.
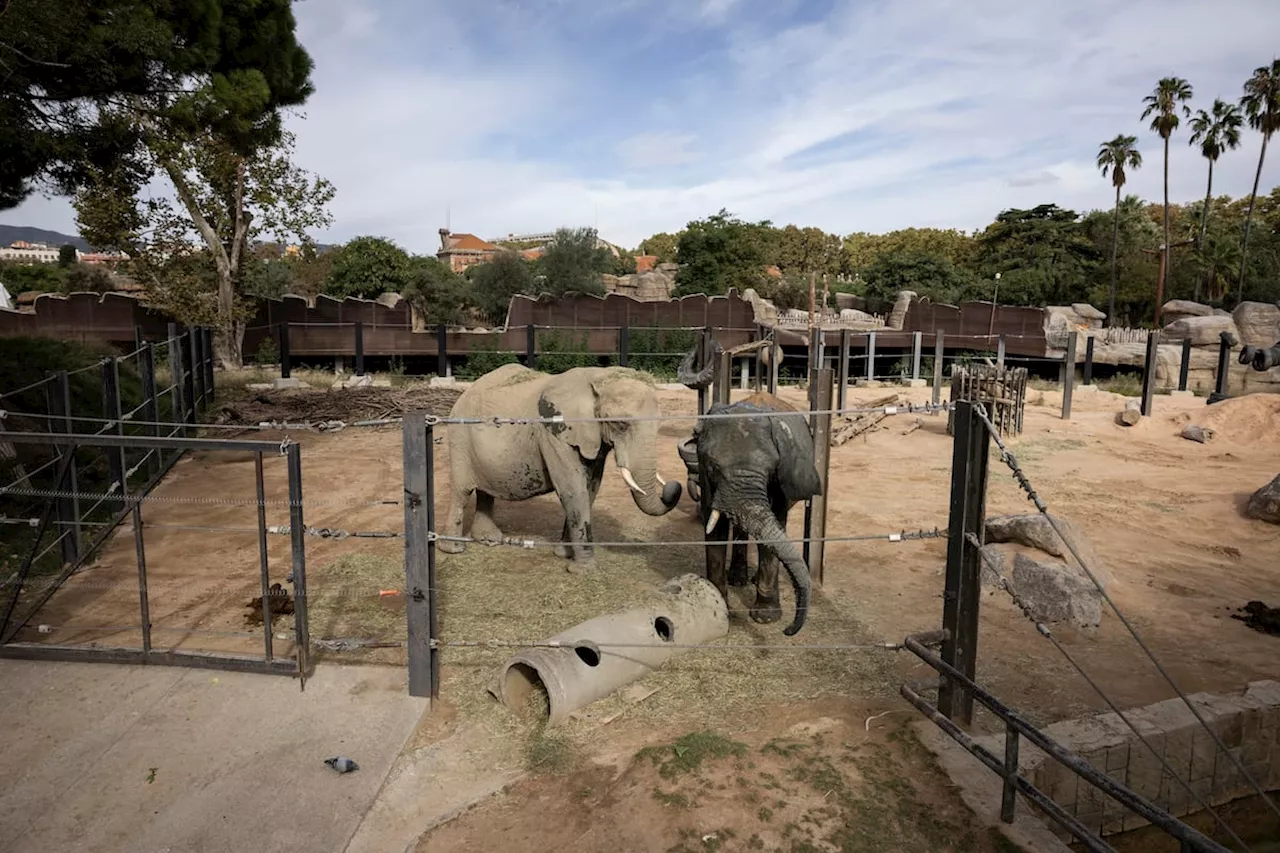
<point x="1164" y="514"/>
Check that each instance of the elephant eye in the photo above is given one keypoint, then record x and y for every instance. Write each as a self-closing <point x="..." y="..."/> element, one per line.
<point x="622" y="426"/>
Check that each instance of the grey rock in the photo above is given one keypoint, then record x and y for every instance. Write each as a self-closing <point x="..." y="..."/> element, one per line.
<point x="1258" y="322"/>
<point x="1197" y="433"/>
<point x="901" y="306"/>
<point x="342" y="764"/>
<point x="1264" y="504"/>
<point x="1034" y="531"/>
<point x="1056" y="592"/>
<point x="1201" y="331"/>
<point x="993" y="565"/>
<point x="1089" y="313"/>
<point x="1180" y="309"/>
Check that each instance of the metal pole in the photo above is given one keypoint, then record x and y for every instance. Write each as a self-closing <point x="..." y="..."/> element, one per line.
<point x="150" y="409"/>
<point x="963" y="582"/>
<point x="143" y="602"/>
<point x="704" y="355"/>
<point x="208" y="364"/>
<point x="775" y="363"/>
<point x="196" y="374"/>
<point x="816" y="516"/>
<point x="1184" y="369"/>
<point x="624" y="344"/>
<point x="285" y="366"/>
<point x="871" y="356"/>
<point x="298" y="537"/>
<point x="1149" y="372"/>
<point x="1069" y="378"/>
<point x="111" y="410"/>
<point x="442" y="350"/>
<point x="722" y="380"/>
<point x="189" y="375"/>
<point x="263" y="563"/>
<point x="58" y="393"/>
<point x="938" y="350"/>
<point x="419" y="554"/>
<point x="816" y="354"/>
<point x="177" y="381"/>
<point x="1000" y="349"/>
<point x="842" y="387"/>
<point x="1088" y="360"/>
<point x="917" y="347"/>
<point x="359" y="348"/>
<point x="1226" y="342"/>
<point x="531" y="346"/>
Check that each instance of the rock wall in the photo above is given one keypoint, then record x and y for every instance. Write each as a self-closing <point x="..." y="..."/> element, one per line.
<point x="653" y="286"/>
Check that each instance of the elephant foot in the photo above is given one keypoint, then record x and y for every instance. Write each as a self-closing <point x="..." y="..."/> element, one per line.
<point x="738" y="576"/>
<point x="766" y="611"/>
<point x="563" y="551"/>
<point x="448" y="546"/>
<point x="586" y="565"/>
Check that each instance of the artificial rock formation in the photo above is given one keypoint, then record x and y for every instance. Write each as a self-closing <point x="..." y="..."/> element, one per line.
<point x="1264" y="504"/>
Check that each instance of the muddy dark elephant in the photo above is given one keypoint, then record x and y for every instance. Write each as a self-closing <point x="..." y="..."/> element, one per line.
<point x="751" y="471"/>
<point x="515" y="462"/>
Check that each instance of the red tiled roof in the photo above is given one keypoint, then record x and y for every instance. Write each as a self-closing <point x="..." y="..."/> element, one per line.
<point x="644" y="263"/>
<point x="531" y="254"/>
<point x="469" y="243"/>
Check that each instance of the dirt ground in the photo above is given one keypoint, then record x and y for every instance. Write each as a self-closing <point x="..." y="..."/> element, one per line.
<point x="1164" y="514"/>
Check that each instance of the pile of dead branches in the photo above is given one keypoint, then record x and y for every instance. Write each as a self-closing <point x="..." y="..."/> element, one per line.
<point x="845" y="427"/>
<point x="351" y="404"/>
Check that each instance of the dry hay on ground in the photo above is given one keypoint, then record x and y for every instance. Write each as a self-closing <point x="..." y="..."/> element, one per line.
<point x="352" y="404"/>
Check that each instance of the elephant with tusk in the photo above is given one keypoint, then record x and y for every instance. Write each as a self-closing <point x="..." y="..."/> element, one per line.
<point x="515" y="462"/>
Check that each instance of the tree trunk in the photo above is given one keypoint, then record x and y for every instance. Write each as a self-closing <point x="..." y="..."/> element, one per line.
<point x="1204" y="221"/>
<point x="1164" y="272"/>
<point x="1248" y="220"/>
<point x="1115" y="258"/>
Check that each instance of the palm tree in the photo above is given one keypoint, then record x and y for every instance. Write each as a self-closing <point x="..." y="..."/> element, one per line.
<point x="1163" y="104"/>
<point x="1261" y="102"/>
<point x="1115" y="157"/>
<point x="1215" y="131"/>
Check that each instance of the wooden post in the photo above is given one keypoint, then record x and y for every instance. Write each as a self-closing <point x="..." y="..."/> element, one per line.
<point x="938" y="351"/>
<point x="531" y="346"/>
<point x="722" y="378"/>
<point x="816" y="509"/>
<point x="963" y="579"/>
<point x="815" y="349"/>
<point x="871" y="356"/>
<point x="624" y="344"/>
<point x="758" y="379"/>
<point x="917" y="345"/>
<point x="442" y="351"/>
<point x="775" y="364"/>
<point x="68" y="508"/>
<point x="420" y="556"/>
<point x="843" y="386"/>
<point x="1069" y="379"/>
<point x="298" y="547"/>
<point x="1088" y="361"/>
<point x="1184" y="369"/>
<point x="285" y="366"/>
<point x="359" y="343"/>
<point x="1149" y="372"/>
<point x="1000" y="348"/>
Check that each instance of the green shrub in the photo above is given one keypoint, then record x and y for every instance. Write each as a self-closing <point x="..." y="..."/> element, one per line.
<point x="484" y="359"/>
<point x="268" y="352"/>
<point x="558" y="353"/>
<point x="658" y="351"/>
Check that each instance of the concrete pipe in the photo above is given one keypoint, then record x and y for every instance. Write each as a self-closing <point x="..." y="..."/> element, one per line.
<point x="685" y="610"/>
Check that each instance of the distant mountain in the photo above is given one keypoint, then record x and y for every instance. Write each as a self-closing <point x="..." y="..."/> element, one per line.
<point x="13" y="233"/>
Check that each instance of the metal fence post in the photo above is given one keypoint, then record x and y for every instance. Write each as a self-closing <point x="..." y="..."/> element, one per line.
<point x="420" y="556"/>
<point x="722" y="379"/>
<point x="1000" y="350"/>
<point x="775" y="363"/>
<point x="176" y="381"/>
<point x="264" y="566"/>
<point x="112" y="412"/>
<point x="1184" y="369"/>
<point x="58" y="394"/>
<point x="189" y="375"/>
<point x="938" y="352"/>
<point x="871" y="356"/>
<point x="815" y="528"/>
<point x="917" y="346"/>
<point x="1225" y="342"/>
<point x="624" y="346"/>
<point x="442" y="350"/>
<point x="963" y="581"/>
<point x="150" y="408"/>
<point x="1088" y="361"/>
<point x="298" y="541"/>
<point x="208" y="364"/>
<point x="1149" y="372"/>
<point x="196" y="373"/>
<point x="816" y="349"/>
<point x="1069" y="378"/>
<point x="531" y="346"/>
<point x="144" y="603"/>
<point x="842" y="389"/>
<point x="704" y="355"/>
<point x="285" y="366"/>
<point x="359" y="348"/>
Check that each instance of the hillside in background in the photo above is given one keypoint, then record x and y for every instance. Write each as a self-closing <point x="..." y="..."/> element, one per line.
<point x="12" y="233"/>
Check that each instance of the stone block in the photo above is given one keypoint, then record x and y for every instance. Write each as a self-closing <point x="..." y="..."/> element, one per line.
<point x="1201" y="331"/>
<point x="1258" y="323"/>
<point x="281" y="383"/>
<point x="1182" y="394"/>
<point x="915" y="383"/>
<point x="443" y="382"/>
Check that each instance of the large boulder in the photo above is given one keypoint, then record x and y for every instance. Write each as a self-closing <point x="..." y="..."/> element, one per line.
<point x="1264" y="504"/>
<point x="1181" y="309"/>
<point x="1034" y="531"/>
<point x="1258" y="322"/>
<point x="1091" y="316"/>
<point x="1201" y="331"/>
<point x="1056" y="592"/>
<point x="846" y="301"/>
<point x="898" y="316"/>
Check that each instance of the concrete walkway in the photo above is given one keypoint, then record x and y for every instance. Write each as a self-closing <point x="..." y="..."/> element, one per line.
<point x="238" y="759"/>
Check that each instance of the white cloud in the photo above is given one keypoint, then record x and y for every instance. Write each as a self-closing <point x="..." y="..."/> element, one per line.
<point x="880" y="115"/>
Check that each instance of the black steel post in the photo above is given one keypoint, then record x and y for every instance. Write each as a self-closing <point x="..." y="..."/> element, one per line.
<point x="442" y="350"/>
<point x="1184" y="368"/>
<point x="189" y="374"/>
<point x="531" y="346"/>
<point x="1069" y="375"/>
<point x="298" y="537"/>
<point x="775" y="363"/>
<point x="359" y="348"/>
<point x="1009" y="800"/>
<point x="419" y="554"/>
<point x="263" y="563"/>
<point x="705" y="349"/>
<point x="939" y="349"/>
<point x="144" y="604"/>
<point x="815" y="527"/>
<point x="963" y="583"/>
<point x="150" y="406"/>
<point x="177" y="380"/>
<point x="1088" y="360"/>
<point x="1149" y="372"/>
<point x="1225" y="342"/>
<point x="196" y="373"/>
<point x="208" y="365"/>
<point x="58" y="394"/>
<point x="111" y="411"/>
<point x="624" y="345"/>
<point x="871" y="356"/>
<point x="843" y="389"/>
<point x="285" y="366"/>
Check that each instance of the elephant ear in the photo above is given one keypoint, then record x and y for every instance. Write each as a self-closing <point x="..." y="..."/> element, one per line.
<point x="796" y="472"/>
<point x="573" y="398"/>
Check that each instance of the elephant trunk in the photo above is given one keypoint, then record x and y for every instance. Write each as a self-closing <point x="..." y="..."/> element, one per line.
<point x="686" y="376"/>
<point x="759" y="523"/>
<point x="651" y="495"/>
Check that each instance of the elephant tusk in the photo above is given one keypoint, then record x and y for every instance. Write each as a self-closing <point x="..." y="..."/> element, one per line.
<point x="631" y="481"/>
<point x="661" y="482"/>
<point x="713" y="521"/>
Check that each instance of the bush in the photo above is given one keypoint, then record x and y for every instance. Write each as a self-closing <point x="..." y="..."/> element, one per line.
<point x="558" y="353"/>
<point x="658" y="351"/>
<point x="484" y="359"/>
<point x="268" y="352"/>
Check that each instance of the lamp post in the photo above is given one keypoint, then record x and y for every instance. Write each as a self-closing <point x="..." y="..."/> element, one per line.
<point x="995" y="299"/>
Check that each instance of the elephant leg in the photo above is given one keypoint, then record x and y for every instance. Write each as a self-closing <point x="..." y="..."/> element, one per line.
<point x="594" y="478"/>
<point x="483" y="527"/>
<point x="717" y="552"/>
<point x="768" y="605"/>
<point x="738" y="561"/>
<point x="460" y="496"/>
<point x="571" y="481"/>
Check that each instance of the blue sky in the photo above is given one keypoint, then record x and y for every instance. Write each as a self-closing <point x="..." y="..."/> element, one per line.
<point x="524" y="115"/>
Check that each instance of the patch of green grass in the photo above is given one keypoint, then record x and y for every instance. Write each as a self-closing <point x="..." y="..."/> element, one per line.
<point x="550" y="751"/>
<point x="688" y="752"/>
<point x="674" y="799"/>
<point x="1125" y="384"/>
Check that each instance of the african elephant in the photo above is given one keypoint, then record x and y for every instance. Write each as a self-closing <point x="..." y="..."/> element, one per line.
<point x="751" y="471"/>
<point x="520" y="461"/>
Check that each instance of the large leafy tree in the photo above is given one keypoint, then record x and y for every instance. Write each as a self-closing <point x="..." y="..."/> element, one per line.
<point x="1042" y="254"/>
<point x="1117" y="157"/>
<point x="495" y="282"/>
<point x="1163" y="106"/>
<point x="573" y="261"/>
<point x="930" y="275"/>
<point x="438" y="293"/>
<point x="860" y="250"/>
<point x="367" y="267"/>
<point x="722" y="252"/>
<point x="808" y="250"/>
<point x="1129" y="234"/>
<point x="662" y="246"/>
<point x="1261" y="103"/>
